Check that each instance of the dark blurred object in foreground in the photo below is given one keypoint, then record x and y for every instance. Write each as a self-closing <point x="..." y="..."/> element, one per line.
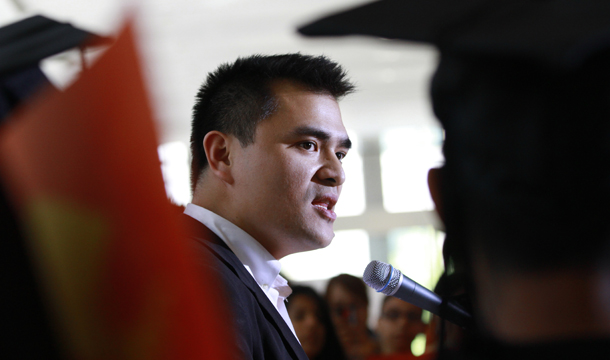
<point x="25" y="317"/>
<point x="26" y="42"/>
<point x="522" y="90"/>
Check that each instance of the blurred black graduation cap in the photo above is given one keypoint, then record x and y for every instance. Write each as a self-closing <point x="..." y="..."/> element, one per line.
<point x="505" y="66"/>
<point x="522" y="90"/>
<point x="24" y="44"/>
<point x="28" y="330"/>
<point x="557" y="32"/>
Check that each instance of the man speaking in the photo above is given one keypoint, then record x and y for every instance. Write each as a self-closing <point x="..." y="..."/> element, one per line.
<point x="267" y="143"/>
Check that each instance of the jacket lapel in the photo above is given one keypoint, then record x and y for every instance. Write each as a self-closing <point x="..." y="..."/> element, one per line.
<point x="222" y="251"/>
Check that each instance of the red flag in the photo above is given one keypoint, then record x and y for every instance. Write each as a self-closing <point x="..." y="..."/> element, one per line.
<point x="83" y="170"/>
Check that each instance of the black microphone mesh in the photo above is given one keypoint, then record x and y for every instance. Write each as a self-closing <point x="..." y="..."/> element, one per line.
<point x="377" y="274"/>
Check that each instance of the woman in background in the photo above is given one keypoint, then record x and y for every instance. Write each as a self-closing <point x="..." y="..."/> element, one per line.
<point x="397" y="327"/>
<point x="348" y="301"/>
<point x="311" y="320"/>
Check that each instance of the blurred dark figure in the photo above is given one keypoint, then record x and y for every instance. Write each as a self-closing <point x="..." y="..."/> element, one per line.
<point x="17" y="86"/>
<point x="348" y="301"/>
<point x="23" y="311"/>
<point x="522" y="90"/>
<point x="27" y="324"/>
<point x="397" y="327"/>
<point x="311" y="320"/>
<point x="442" y="333"/>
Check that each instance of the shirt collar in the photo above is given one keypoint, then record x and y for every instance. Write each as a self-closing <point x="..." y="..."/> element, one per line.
<point x="262" y="265"/>
<point x="281" y="285"/>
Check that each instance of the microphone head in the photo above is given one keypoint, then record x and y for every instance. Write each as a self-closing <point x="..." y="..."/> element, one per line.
<point x="382" y="277"/>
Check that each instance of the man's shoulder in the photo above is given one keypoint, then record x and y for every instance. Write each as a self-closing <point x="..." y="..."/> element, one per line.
<point x="210" y="251"/>
<point x="258" y="331"/>
<point x="213" y="256"/>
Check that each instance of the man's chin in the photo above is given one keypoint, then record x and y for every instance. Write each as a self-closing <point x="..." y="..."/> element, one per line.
<point x="324" y="241"/>
<point x="310" y="240"/>
<point x="317" y="242"/>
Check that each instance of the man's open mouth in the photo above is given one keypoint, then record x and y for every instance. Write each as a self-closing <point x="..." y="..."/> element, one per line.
<point x="325" y="205"/>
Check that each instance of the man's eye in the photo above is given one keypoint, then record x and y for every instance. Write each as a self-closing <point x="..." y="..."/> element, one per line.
<point x="308" y="145"/>
<point x="341" y="155"/>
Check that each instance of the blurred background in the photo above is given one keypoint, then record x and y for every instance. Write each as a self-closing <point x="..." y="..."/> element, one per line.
<point x="385" y="211"/>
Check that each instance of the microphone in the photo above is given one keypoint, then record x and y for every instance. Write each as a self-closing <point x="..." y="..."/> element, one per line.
<point x="386" y="279"/>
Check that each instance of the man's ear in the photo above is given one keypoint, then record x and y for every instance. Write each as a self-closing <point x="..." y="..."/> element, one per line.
<point x="435" y="178"/>
<point x="217" y="150"/>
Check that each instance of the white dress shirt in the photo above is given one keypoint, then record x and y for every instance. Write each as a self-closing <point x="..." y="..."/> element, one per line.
<point x="263" y="267"/>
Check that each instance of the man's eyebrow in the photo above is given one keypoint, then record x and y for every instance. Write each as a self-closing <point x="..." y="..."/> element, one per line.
<point x="321" y="134"/>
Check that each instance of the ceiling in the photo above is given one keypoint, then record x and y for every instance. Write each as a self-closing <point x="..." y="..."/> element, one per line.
<point x="182" y="40"/>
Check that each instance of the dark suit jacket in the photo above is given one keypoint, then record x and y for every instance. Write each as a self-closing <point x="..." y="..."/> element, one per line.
<point x="261" y="332"/>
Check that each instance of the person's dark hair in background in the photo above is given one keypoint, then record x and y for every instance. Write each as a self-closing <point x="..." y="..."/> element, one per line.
<point x="238" y="96"/>
<point x="352" y="284"/>
<point x="348" y="301"/>
<point x="311" y="319"/>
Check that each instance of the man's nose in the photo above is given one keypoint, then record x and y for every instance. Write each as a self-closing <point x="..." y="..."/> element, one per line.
<point x="331" y="172"/>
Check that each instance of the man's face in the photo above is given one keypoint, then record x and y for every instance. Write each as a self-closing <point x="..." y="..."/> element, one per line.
<point x="288" y="181"/>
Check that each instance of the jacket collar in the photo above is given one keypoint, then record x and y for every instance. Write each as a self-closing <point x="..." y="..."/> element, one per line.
<point x="222" y="251"/>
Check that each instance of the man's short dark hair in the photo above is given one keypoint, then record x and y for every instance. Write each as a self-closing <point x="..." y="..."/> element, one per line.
<point x="237" y="96"/>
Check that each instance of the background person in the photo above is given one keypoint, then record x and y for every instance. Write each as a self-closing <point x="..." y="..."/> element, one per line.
<point x="348" y="301"/>
<point x="314" y="328"/>
<point x="398" y="325"/>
